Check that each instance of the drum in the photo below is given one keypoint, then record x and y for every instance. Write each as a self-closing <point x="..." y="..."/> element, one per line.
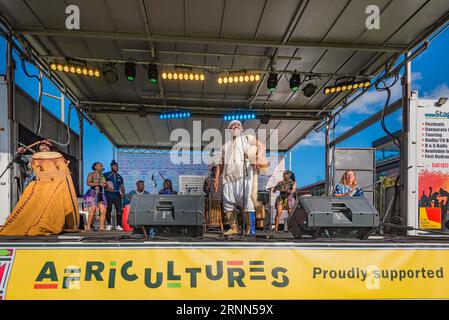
<point x="215" y="217"/>
<point x="260" y="215"/>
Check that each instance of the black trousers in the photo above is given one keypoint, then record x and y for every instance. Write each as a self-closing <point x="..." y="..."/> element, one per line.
<point x="117" y="202"/>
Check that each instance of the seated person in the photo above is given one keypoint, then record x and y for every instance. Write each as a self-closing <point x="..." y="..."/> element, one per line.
<point x="140" y="189"/>
<point x="168" y="188"/>
<point x="348" y="186"/>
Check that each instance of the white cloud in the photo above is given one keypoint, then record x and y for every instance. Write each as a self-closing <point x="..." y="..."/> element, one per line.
<point x="373" y="100"/>
<point x="314" y="139"/>
<point x="440" y="91"/>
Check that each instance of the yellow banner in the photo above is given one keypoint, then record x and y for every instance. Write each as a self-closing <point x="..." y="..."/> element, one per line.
<point x="227" y="273"/>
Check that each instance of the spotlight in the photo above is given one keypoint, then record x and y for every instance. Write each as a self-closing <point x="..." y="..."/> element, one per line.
<point x="295" y="81"/>
<point x="142" y="112"/>
<point x="272" y="82"/>
<point x="152" y="73"/>
<point x="239" y="116"/>
<point x="346" y="86"/>
<point x="265" y="119"/>
<point x="110" y="74"/>
<point x="441" y="101"/>
<point x="309" y="90"/>
<point x="130" y="71"/>
<point x="175" y="115"/>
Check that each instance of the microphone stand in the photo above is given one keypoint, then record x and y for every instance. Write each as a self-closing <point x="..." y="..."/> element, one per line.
<point x="244" y="187"/>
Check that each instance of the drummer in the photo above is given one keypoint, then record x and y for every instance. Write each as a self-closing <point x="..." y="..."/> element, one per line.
<point x="24" y="160"/>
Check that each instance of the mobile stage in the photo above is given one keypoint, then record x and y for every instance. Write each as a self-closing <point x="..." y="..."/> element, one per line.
<point x="309" y="46"/>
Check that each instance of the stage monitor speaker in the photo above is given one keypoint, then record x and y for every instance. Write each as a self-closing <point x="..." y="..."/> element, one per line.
<point x="168" y="215"/>
<point x="333" y="217"/>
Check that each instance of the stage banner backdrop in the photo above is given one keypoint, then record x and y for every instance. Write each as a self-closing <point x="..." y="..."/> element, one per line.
<point x="429" y="163"/>
<point x="227" y="273"/>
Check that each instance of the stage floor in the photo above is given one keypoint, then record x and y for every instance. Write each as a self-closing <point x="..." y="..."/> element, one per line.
<point x="120" y="238"/>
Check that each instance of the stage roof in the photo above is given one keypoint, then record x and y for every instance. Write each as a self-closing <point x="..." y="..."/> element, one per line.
<point x="323" y="37"/>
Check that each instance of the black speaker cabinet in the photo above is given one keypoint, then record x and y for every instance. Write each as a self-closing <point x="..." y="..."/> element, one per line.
<point x="333" y="217"/>
<point x="168" y="215"/>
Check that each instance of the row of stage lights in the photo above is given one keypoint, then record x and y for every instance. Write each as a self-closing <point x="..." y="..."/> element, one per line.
<point x="347" y="86"/>
<point x="238" y="78"/>
<point x="182" y="76"/>
<point x="239" y="116"/>
<point x="175" y="115"/>
<point x="76" y="69"/>
<point x="226" y="117"/>
<point x="272" y="81"/>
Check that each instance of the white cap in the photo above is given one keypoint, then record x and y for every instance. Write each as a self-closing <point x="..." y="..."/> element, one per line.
<point x="234" y="121"/>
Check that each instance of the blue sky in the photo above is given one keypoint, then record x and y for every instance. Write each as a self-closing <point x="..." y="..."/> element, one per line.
<point x="430" y="78"/>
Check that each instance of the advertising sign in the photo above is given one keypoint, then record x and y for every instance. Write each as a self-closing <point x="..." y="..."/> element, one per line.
<point x="184" y="273"/>
<point x="429" y="165"/>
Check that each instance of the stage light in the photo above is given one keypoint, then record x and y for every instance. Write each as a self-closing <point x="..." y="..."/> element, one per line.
<point x="109" y="72"/>
<point x="441" y="101"/>
<point x="265" y="119"/>
<point x="75" y="69"/>
<point x="295" y="81"/>
<point x="152" y="73"/>
<point x="183" y="76"/>
<point x="309" y="90"/>
<point x="175" y="115"/>
<point x="141" y="112"/>
<point x="238" y="78"/>
<point x="239" y="116"/>
<point x="130" y="71"/>
<point x="272" y="82"/>
<point x="346" y="86"/>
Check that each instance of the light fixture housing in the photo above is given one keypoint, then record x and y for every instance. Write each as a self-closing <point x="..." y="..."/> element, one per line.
<point x="153" y="73"/>
<point x="130" y="70"/>
<point x="141" y="111"/>
<point x="441" y="101"/>
<point x="309" y="90"/>
<point x="272" y="82"/>
<point x="265" y="119"/>
<point x="295" y="81"/>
